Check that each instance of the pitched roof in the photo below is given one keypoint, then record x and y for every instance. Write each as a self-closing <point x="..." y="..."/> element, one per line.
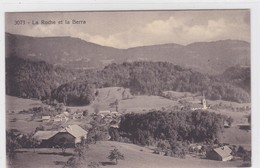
<point x="196" y="105"/>
<point x="223" y="151"/>
<point x="46" y="117"/>
<point x="44" y="135"/>
<point x="75" y="131"/>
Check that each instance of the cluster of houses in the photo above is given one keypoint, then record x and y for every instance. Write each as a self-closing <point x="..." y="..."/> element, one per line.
<point x="108" y="114"/>
<point x="63" y="117"/>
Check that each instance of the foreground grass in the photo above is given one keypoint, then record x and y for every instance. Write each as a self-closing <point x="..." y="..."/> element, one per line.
<point x="135" y="157"/>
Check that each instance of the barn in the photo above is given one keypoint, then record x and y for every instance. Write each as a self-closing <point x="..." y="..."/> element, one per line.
<point x="44" y="137"/>
<point x="68" y="136"/>
<point x="222" y="154"/>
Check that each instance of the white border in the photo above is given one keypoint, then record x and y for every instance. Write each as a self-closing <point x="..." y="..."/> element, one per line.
<point x="93" y="5"/>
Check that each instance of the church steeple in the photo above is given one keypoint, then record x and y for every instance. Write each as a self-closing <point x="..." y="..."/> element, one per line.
<point x="204" y="102"/>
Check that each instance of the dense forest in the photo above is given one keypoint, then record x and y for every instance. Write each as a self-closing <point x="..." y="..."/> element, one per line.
<point x="74" y="93"/>
<point x="192" y="126"/>
<point x="31" y="79"/>
<point x="238" y="76"/>
<point x="151" y="78"/>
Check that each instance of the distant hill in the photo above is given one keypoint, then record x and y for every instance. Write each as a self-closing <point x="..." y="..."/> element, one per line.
<point x="205" y="57"/>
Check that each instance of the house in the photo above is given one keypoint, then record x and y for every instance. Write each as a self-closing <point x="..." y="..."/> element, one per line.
<point x="222" y="154"/>
<point x="46" y="118"/>
<point x="44" y="137"/>
<point x="68" y="136"/>
<point x="114" y="124"/>
<point x="195" y="147"/>
<point x="244" y="126"/>
<point x="76" y="131"/>
<point x="226" y="124"/>
<point x="106" y="114"/>
<point x="67" y="114"/>
<point x="60" y="117"/>
<point x="115" y="113"/>
<point x="77" y="116"/>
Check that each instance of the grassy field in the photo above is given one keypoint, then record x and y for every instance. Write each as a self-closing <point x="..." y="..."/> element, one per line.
<point x="18" y="121"/>
<point x="238" y="137"/>
<point x="135" y="157"/>
<point x="41" y="158"/>
<point x="142" y="157"/>
<point x="127" y="102"/>
<point x="144" y="103"/>
<point x="17" y="104"/>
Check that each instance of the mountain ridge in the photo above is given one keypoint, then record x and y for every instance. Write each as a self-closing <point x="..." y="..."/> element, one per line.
<point x="70" y="52"/>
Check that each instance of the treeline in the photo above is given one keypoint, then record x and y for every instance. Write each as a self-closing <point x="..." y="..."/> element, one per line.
<point x="190" y="126"/>
<point x="29" y="79"/>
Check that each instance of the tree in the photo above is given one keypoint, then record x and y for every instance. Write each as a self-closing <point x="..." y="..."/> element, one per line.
<point x="249" y="119"/>
<point x="116" y="104"/>
<point x="72" y="162"/>
<point x="115" y="155"/>
<point x="81" y="149"/>
<point x="11" y="145"/>
<point x="34" y="142"/>
<point x="93" y="165"/>
<point x="230" y="120"/>
<point x="113" y="132"/>
<point x="93" y="132"/>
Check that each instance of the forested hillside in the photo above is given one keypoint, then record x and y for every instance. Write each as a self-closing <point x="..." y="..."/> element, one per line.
<point x="151" y="78"/>
<point x="239" y="76"/>
<point x="192" y="126"/>
<point x="32" y="79"/>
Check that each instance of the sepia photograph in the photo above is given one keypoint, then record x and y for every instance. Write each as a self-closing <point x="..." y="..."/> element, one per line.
<point x="128" y="89"/>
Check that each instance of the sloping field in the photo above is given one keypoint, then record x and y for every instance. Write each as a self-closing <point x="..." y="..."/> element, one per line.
<point x="126" y="102"/>
<point x="145" y="103"/>
<point x="41" y="158"/>
<point x="141" y="157"/>
<point x="21" y="122"/>
<point x="18" y="104"/>
<point x="135" y="157"/>
<point x="110" y="94"/>
<point x="236" y="136"/>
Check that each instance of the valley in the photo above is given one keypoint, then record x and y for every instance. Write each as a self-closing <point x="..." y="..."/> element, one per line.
<point x="135" y="155"/>
<point x="72" y="103"/>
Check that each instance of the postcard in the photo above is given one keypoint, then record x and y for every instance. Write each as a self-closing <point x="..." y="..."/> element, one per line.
<point x="137" y="88"/>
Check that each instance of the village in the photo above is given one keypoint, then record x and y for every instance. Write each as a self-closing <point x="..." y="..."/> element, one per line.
<point x="59" y="127"/>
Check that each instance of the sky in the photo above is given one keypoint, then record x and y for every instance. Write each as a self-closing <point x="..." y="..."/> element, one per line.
<point x="126" y="29"/>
